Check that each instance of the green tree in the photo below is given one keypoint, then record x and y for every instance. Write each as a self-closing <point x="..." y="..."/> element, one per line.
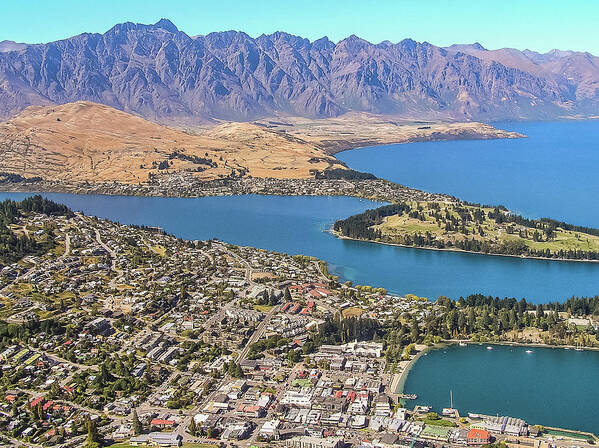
<point x="137" y="426"/>
<point x="93" y="437"/>
<point x="192" y="427"/>
<point x="293" y="356"/>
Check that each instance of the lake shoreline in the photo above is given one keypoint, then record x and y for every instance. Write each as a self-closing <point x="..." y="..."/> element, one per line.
<point x="524" y="257"/>
<point x="398" y="385"/>
<point x="523" y="344"/>
<point x="422" y="377"/>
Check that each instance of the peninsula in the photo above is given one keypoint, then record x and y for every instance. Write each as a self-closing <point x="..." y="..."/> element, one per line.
<point x="467" y="227"/>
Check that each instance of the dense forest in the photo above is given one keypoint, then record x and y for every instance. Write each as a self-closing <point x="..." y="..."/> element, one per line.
<point x="359" y="226"/>
<point x="466" y="220"/>
<point x="13" y="247"/>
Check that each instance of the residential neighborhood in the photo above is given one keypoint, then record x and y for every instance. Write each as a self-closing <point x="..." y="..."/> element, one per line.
<point x="132" y="337"/>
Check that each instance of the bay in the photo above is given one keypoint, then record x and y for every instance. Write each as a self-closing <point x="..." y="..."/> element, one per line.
<point x="548" y="386"/>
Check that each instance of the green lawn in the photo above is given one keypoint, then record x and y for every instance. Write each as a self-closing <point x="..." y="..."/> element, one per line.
<point x="263" y="308"/>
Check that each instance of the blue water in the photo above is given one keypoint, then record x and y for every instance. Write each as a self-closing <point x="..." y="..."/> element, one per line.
<point x="297" y="225"/>
<point x="551" y="387"/>
<point x="552" y="173"/>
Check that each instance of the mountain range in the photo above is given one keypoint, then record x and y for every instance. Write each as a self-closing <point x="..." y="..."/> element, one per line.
<point x="162" y="74"/>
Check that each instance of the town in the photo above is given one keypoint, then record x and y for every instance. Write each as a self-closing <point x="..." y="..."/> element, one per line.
<point x="184" y="184"/>
<point x="122" y="336"/>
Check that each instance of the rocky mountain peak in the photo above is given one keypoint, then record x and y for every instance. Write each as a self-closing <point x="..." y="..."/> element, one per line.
<point x="160" y="73"/>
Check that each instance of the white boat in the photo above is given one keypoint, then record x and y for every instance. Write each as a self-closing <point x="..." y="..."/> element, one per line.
<point x="489" y="347"/>
<point x="529" y="351"/>
<point x="463" y="344"/>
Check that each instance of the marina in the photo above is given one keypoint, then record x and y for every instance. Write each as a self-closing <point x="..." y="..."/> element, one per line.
<point x="510" y="380"/>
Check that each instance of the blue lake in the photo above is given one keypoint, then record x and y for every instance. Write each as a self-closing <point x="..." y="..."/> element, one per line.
<point x="551" y="387"/>
<point x="297" y="225"/>
<point x="552" y="173"/>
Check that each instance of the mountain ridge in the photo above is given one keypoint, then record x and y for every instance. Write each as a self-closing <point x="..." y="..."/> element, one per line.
<point x="164" y="75"/>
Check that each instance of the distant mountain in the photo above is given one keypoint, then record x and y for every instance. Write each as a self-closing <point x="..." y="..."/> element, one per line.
<point x="9" y="45"/>
<point x="163" y="74"/>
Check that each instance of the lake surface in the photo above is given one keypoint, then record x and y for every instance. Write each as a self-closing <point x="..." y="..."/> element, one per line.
<point x="552" y="387"/>
<point x="552" y="173"/>
<point x="297" y="225"/>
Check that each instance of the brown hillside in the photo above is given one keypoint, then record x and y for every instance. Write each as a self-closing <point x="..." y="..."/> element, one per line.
<point x="85" y="141"/>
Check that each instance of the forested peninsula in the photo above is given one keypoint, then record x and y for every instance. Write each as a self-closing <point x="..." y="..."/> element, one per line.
<point x="469" y="227"/>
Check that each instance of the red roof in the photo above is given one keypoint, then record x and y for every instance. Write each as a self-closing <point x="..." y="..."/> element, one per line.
<point x="47" y="405"/>
<point x="158" y="421"/>
<point x="35" y="401"/>
<point x="478" y="434"/>
<point x="10" y="398"/>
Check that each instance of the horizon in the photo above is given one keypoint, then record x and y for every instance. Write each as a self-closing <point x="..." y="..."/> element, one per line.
<point x="529" y="27"/>
<point x="300" y="36"/>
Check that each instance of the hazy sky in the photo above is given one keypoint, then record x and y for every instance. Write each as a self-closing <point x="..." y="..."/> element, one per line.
<point x="535" y="24"/>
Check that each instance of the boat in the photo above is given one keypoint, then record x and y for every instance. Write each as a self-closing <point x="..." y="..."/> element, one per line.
<point x="489" y="347"/>
<point x="529" y="351"/>
<point x="463" y="344"/>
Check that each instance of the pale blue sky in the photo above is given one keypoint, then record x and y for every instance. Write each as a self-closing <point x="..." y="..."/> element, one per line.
<point x="535" y="24"/>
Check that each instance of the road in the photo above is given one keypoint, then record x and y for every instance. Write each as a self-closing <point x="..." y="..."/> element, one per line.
<point x="67" y="246"/>
<point x="248" y="267"/>
<point x="112" y="253"/>
<point x="182" y="428"/>
<point x="258" y="333"/>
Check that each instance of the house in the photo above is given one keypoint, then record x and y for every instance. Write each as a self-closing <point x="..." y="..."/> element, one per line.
<point x="478" y="437"/>
<point x="162" y="423"/>
<point x="157" y="439"/>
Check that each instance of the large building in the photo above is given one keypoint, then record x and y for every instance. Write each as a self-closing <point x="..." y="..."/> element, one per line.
<point x="315" y="442"/>
<point x="478" y="437"/>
